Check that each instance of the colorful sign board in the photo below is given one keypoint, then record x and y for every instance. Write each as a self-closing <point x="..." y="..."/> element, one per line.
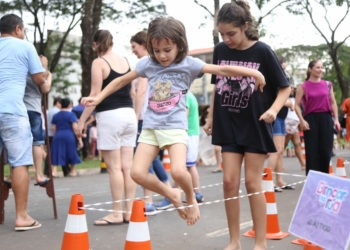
<point x="322" y="215"/>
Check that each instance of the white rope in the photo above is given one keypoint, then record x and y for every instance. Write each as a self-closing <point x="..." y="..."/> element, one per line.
<point x="156" y="195"/>
<point x="189" y="206"/>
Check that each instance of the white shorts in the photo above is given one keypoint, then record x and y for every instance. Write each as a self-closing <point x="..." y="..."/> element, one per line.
<point x="192" y="150"/>
<point x="116" y="128"/>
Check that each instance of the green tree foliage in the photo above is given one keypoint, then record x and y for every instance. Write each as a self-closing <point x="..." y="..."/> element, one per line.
<point x="67" y="66"/>
<point x="260" y="4"/>
<point x="335" y="48"/>
<point x="40" y="13"/>
<point x="37" y="14"/>
<point x="298" y="57"/>
<point x="66" y="15"/>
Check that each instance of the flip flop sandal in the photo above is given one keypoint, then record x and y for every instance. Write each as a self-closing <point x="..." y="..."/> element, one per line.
<point x="108" y="223"/>
<point x="35" y="224"/>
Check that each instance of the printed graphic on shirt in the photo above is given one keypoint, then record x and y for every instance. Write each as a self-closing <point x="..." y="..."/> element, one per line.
<point x="165" y="99"/>
<point x="235" y="91"/>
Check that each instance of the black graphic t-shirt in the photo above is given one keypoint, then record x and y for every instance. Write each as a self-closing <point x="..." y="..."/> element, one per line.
<point x="237" y="107"/>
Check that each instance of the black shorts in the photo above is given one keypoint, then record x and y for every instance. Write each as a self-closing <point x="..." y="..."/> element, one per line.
<point x="234" y="148"/>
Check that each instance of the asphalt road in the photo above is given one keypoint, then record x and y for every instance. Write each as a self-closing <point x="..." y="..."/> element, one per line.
<point x="167" y="230"/>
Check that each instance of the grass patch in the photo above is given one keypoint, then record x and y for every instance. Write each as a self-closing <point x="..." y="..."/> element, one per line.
<point x="83" y="165"/>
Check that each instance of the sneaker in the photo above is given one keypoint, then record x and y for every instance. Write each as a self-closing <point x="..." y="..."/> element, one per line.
<point x="199" y="197"/>
<point x="150" y="209"/>
<point x="164" y="204"/>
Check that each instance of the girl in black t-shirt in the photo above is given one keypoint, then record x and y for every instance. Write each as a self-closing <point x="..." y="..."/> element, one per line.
<point x="240" y="117"/>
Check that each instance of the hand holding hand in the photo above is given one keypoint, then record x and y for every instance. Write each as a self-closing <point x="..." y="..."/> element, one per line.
<point x="269" y="116"/>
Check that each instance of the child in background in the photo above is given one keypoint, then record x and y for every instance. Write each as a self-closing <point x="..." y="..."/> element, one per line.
<point x="93" y="141"/>
<point x="170" y="73"/>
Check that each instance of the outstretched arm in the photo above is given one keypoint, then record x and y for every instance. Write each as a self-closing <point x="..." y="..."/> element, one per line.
<point x="236" y="71"/>
<point x="112" y="87"/>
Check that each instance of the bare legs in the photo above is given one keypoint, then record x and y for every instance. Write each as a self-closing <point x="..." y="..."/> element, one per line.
<point x="253" y="175"/>
<point x="218" y="159"/>
<point x="118" y="165"/>
<point x="297" y="147"/>
<point x="253" y="169"/>
<point x="20" y="187"/>
<point x="232" y="172"/>
<point x="143" y="158"/>
<point x="276" y="159"/>
<point x="194" y="177"/>
<point x="38" y="163"/>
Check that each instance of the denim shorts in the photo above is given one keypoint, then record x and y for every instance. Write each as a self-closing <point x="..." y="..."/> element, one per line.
<point x="16" y="136"/>
<point x="36" y="127"/>
<point x="279" y="127"/>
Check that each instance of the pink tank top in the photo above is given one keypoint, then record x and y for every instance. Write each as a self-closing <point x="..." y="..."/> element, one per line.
<point x="316" y="97"/>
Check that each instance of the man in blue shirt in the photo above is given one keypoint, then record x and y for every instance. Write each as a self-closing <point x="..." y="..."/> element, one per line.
<point x="17" y="59"/>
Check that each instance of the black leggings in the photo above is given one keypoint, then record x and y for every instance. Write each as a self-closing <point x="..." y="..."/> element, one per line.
<point x="318" y="141"/>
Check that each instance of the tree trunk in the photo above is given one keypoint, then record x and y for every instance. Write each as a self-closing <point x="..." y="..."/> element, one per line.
<point x="344" y="87"/>
<point x="89" y="25"/>
<point x="215" y="30"/>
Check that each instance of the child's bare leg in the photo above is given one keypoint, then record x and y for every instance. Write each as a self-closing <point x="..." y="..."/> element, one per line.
<point x="297" y="148"/>
<point x="177" y="154"/>
<point x="218" y="159"/>
<point x="276" y="159"/>
<point x="139" y="172"/>
<point x="232" y="171"/>
<point x="195" y="178"/>
<point x="253" y="171"/>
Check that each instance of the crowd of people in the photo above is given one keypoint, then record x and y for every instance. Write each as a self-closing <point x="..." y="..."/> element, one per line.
<point x="140" y="111"/>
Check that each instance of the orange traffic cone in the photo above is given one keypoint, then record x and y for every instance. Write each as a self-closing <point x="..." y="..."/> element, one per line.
<point x="330" y="169"/>
<point x="310" y="246"/>
<point x="303" y="149"/>
<point x="300" y="241"/>
<point x="340" y="170"/>
<point x="273" y="231"/>
<point x="138" y="237"/>
<point x="166" y="160"/>
<point x="76" y="232"/>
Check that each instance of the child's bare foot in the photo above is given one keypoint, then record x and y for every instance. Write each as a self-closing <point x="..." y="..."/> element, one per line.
<point x="193" y="213"/>
<point x="233" y="247"/>
<point x="177" y="202"/>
